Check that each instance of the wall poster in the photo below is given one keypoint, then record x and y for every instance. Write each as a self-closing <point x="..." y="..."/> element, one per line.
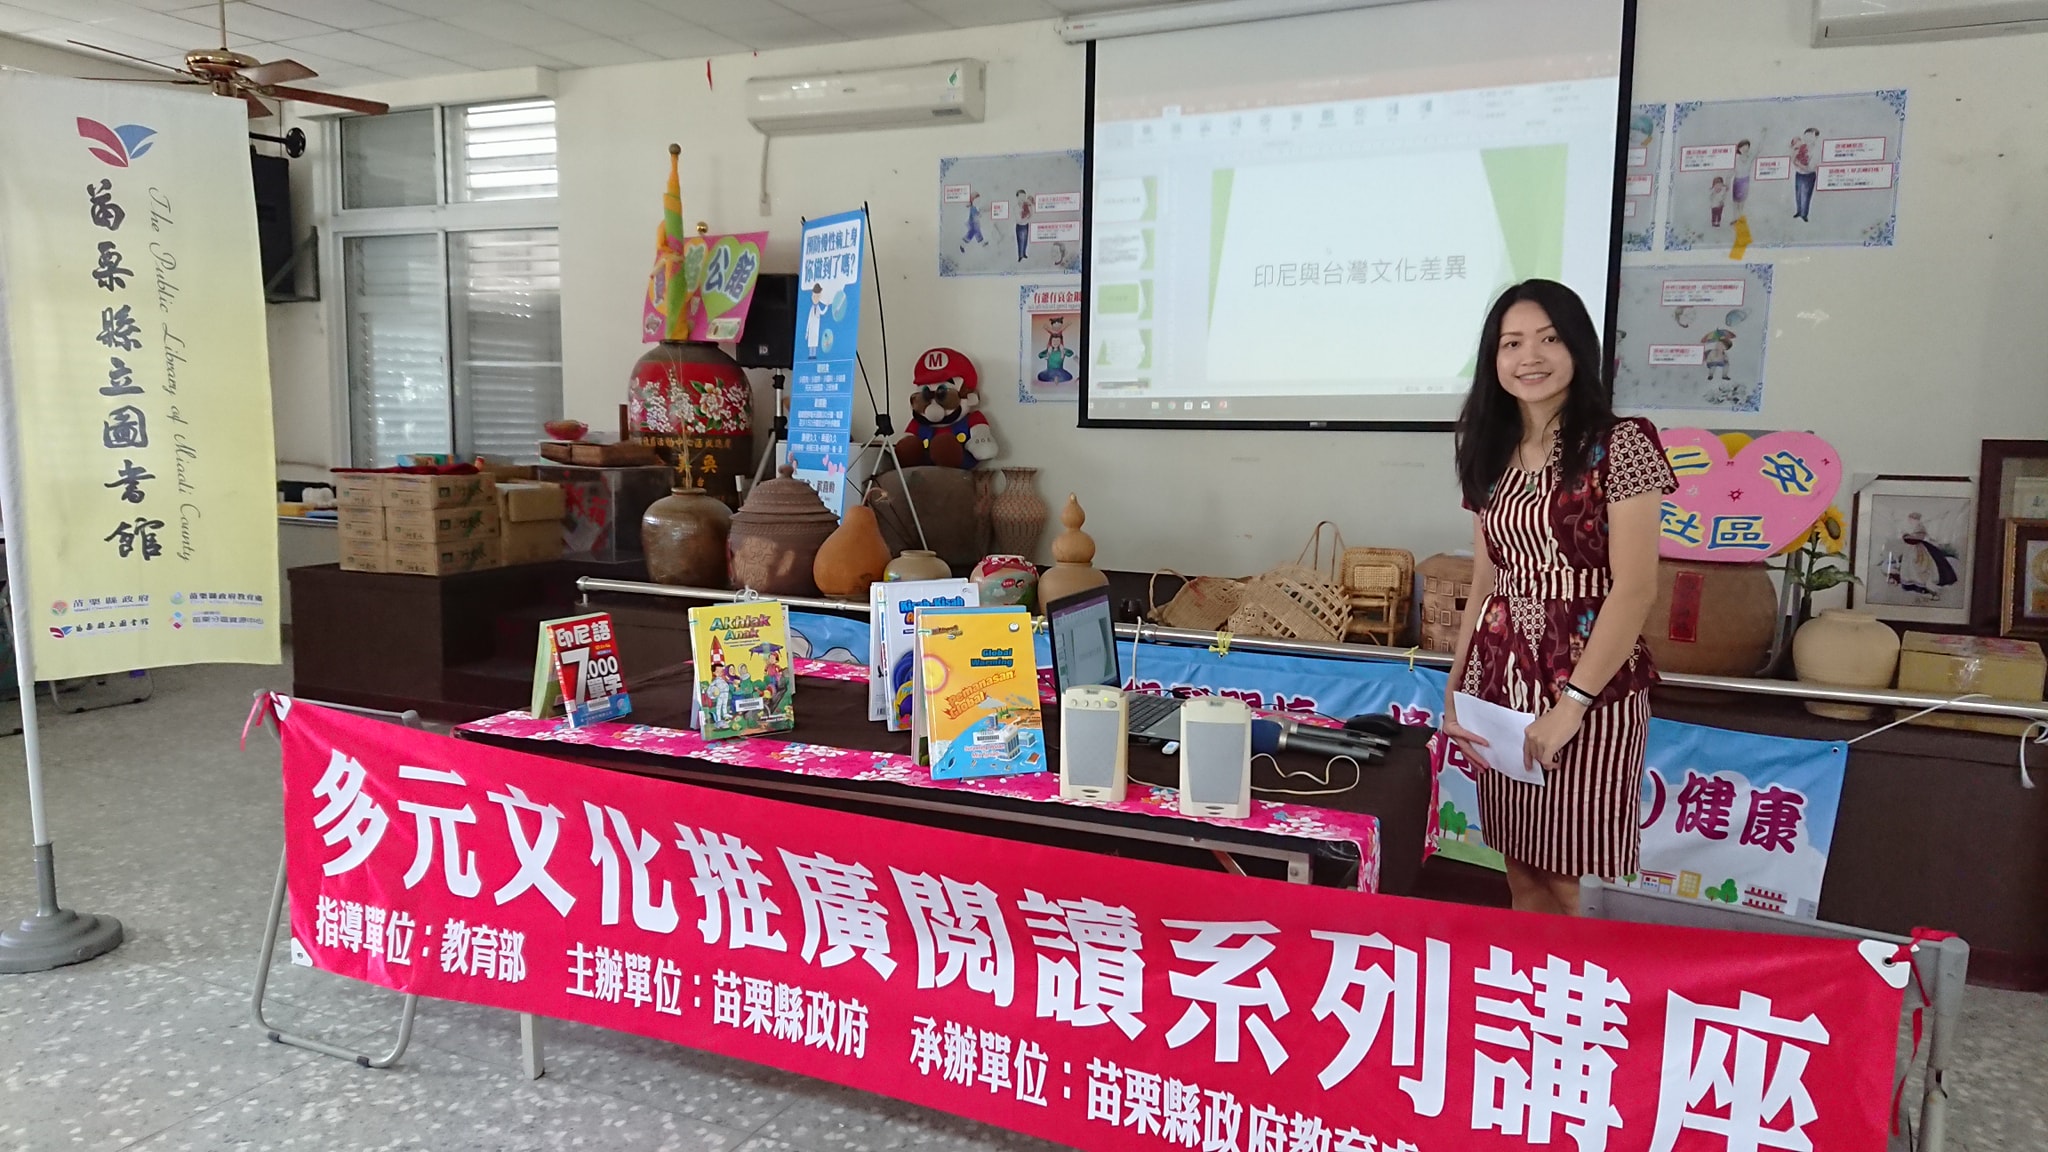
<point x="1645" y="167"/>
<point x="1692" y="338"/>
<point x="825" y="360"/>
<point x="1011" y="215"/>
<point x="1786" y="172"/>
<point x="1049" y="354"/>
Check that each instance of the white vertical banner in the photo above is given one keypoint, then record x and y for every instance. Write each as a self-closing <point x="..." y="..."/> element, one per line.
<point x="135" y="377"/>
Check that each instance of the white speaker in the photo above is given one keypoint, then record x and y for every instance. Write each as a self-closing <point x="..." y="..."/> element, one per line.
<point x="1094" y="741"/>
<point x="1216" y="758"/>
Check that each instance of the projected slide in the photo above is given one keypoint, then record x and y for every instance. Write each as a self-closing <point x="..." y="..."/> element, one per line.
<point x="1322" y="248"/>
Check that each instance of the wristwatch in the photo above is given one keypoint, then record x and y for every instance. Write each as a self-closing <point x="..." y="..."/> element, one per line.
<point x="1579" y="694"/>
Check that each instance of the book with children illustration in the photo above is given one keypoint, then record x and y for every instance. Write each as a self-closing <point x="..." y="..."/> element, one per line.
<point x="978" y="713"/>
<point x="741" y="659"/>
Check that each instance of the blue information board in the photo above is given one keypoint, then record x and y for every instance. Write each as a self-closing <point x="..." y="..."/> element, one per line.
<point x="827" y="339"/>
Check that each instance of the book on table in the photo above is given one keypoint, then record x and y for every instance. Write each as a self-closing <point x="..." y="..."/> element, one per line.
<point x="977" y="708"/>
<point x="744" y="685"/>
<point x="576" y="668"/>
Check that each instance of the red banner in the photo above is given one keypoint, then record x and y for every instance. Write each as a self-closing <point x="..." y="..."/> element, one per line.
<point x="1099" y="1002"/>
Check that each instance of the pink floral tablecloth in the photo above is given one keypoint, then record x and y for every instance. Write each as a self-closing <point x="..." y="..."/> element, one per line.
<point x="1356" y="828"/>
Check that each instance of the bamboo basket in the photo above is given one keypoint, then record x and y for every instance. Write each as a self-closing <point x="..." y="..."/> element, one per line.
<point x="1298" y="601"/>
<point x="1203" y="604"/>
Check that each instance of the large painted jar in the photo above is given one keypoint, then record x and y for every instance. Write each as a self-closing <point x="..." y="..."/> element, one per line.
<point x="695" y="397"/>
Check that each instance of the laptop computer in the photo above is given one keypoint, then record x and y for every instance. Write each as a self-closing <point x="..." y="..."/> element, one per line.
<point x="1083" y="641"/>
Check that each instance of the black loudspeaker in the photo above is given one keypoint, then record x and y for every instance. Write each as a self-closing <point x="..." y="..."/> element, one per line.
<point x="769" y="339"/>
<point x="273" y="213"/>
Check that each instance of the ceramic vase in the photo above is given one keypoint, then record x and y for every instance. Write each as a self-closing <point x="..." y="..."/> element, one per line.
<point x="918" y="564"/>
<point x="1073" y="554"/>
<point x="1018" y="513"/>
<point x="1005" y="580"/>
<point x="1845" y="649"/>
<point x="776" y="536"/>
<point x="852" y="557"/>
<point x="692" y="402"/>
<point x="684" y="536"/>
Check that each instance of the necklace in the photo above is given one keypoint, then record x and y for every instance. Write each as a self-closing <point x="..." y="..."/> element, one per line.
<point x="1532" y="478"/>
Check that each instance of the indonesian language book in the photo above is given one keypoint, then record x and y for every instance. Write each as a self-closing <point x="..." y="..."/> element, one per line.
<point x="744" y="683"/>
<point x="979" y="692"/>
<point x="577" y="666"/>
<point x="892" y="663"/>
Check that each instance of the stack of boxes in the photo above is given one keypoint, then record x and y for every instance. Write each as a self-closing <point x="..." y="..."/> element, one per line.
<point x="417" y="524"/>
<point x="529" y="521"/>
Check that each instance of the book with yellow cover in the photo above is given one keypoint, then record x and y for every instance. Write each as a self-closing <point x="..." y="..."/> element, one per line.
<point x="979" y="692"/>
<point x="740" y="654"/>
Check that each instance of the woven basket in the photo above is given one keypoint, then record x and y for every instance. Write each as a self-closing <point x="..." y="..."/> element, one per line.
<point x="1298" y="601"/>
<point x="1203" y="604"/>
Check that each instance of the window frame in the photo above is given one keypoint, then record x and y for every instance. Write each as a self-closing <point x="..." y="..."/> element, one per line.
<point x="442" y="218"/>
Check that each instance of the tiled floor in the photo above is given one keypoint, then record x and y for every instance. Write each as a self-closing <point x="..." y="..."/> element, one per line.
<point x="162" y="821"/>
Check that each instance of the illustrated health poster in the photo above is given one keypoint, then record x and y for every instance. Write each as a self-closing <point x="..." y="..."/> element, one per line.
<point x="827" y="345"/>
<point x="1010" y="215"/>
<point x="1786" y="172"/>
<point x="137" y="376"/>
<point x="1692" y="338"/>
<point x="1645" y="163"/>
<point x="1049" y="337"/>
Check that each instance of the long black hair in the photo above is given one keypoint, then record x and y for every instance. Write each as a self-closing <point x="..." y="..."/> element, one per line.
<point x="1490" y="427"/>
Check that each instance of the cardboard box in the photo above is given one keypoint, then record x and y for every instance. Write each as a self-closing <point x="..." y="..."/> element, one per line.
<point x="361" y="523"/>
<point x="504" y="472"/>
<point x="359" y="489"/>
<point x="428" y="559"/>
<point x="1953" y="665"/>
<point x="440" y="525"/>
<point x="529" y="541"/>
<point x="365" y="555"/>
<point x="527" y="500"/>
<point x="425" y="490"/>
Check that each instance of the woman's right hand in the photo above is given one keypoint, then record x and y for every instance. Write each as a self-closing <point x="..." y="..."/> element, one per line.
<point x="1467" y="742"/>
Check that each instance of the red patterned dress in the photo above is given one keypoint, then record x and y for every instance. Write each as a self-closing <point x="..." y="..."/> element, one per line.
<point x="1548" y="542"/>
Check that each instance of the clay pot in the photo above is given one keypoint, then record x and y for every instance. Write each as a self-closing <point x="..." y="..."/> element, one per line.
<point x="945" y="506"/>
<point x="684" y="536"/>
<point x="776" y="536"/>
<point x="1845" y="649"/>
<point x="1018" y="514"/>
<point x="853" y="557"/>
<point x="1712" y="619"/>
<point x="692" y="401"/>
<point x="1073" y="553"/>
<point x="918" y="564"/>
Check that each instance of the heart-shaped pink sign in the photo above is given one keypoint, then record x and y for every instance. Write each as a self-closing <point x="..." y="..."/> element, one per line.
<point x="1746" y="509"/>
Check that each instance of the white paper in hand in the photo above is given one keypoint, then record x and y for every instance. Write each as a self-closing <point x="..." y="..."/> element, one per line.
<point x="1503" y="730"/>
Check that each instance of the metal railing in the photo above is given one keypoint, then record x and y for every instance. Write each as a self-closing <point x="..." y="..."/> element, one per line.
<point x="1784" y="689"/>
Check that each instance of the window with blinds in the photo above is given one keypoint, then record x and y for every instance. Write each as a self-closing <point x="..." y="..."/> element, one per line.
<point x="452" y="325"/>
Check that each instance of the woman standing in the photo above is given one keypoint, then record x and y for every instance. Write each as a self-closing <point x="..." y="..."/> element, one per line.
<point x="1565" y="500"/>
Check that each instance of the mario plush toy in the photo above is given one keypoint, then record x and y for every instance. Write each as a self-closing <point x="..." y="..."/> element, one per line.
<point x="944" y="428"/>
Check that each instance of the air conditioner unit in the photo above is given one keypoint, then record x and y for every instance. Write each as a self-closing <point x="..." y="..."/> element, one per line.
<point x="944" y="92"/>
<point x="1849" y="22"/>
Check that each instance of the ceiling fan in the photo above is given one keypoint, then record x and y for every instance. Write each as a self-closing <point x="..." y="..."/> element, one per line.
<point x="234" y="74"/>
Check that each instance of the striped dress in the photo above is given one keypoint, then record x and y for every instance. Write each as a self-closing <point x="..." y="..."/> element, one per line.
<point x="1548" y="542"/>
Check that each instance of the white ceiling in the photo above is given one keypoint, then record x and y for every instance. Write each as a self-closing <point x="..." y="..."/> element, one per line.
<point x="351" y="42"/>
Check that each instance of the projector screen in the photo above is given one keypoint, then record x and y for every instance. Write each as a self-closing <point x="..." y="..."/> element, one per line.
<point x="1300" y="222"/>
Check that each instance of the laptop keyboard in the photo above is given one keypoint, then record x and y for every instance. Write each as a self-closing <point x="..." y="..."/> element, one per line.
<point x="1147" y="710"/>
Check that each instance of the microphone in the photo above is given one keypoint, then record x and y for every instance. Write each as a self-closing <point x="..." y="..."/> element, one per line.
<point x="1271" y="737"/>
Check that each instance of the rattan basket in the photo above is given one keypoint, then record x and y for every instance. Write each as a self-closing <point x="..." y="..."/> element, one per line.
<point x="1298" y="601"/>
<point x="1204" y="603"/>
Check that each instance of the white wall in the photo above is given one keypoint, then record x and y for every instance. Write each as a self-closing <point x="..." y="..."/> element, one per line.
<point x="30" y="56"/>
<point x="1904" y="357"/>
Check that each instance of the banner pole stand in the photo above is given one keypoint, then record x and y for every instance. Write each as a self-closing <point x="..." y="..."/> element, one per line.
<point x="54" y="936"/>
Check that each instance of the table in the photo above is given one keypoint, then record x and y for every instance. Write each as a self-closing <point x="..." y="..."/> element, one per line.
<point x="1396" y="790"/>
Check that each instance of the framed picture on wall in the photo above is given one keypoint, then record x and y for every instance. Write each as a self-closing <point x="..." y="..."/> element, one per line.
<point x="1911" y="539"/>
<point x="2012" y="482"/>
<point x="2023" y="608"/>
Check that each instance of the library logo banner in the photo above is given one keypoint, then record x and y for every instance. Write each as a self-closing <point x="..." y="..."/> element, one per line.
<point x="1099" y="1002"/>
<point x="137" y="407"/>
